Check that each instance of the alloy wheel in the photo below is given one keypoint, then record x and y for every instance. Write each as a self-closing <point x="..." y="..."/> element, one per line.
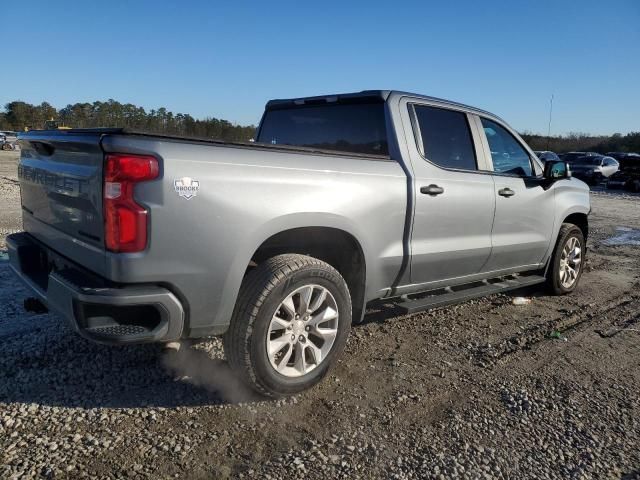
<point x="570" y="262"/>
<point x="302" y="331"/>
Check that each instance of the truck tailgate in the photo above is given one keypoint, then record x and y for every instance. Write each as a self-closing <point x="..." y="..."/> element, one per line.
<point x="61" y="186"/>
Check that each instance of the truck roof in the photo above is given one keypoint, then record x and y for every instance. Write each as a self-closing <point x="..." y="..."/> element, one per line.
<point x="364" y="96"/>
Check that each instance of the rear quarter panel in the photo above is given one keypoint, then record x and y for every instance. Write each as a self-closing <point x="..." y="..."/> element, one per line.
<point x="202" y="246"/>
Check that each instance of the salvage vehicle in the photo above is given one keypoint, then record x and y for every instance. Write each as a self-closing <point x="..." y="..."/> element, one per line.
<point x="279" y="244"/>
<point x="546" y="155"/>
<point x="8" y="140"/>
<point x="594" y="169"/>
<point x="628" y="177"/>
<point x="571" y="157"/>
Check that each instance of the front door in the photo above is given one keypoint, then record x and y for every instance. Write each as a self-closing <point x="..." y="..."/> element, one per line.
<point x="525" y="210"/>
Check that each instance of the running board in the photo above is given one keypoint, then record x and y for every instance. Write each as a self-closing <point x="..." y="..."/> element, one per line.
<point x="462" y="293"/>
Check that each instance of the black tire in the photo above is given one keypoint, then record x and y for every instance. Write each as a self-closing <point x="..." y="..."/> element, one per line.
<point x="554" y="285"/>
<point x="260" y="295"/>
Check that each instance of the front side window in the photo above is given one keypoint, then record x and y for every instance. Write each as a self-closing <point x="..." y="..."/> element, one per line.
<point x="507" y="154"/>
<point x="446" y="137"/>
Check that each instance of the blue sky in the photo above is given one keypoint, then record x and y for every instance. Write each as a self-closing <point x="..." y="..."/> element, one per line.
<point x="226" y="59"/>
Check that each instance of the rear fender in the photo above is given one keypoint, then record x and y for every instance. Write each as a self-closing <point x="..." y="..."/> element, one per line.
<point x="246" y="252"/>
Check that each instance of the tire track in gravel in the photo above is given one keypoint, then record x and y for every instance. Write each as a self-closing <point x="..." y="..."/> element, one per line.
<point x="625" y="306"/>
<point x="14" y="181"/>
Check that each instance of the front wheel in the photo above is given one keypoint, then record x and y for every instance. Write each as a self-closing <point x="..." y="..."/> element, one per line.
<point x="567" y="262"/>
<point x="290" y="324"/>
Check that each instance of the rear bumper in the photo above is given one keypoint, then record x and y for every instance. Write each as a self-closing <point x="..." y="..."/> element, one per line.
<point x="96" y="308"/>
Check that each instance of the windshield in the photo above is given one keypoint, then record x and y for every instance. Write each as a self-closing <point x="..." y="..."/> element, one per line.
<point x="358" y="128"/>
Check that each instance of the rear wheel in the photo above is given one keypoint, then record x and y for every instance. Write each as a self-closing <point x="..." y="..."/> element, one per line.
<point x="289" y="326"/>
<point x="567" y="262"/>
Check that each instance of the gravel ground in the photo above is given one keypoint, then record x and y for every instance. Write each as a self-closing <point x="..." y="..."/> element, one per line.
<point x="485" y="389"/>
<point x="10" y="213"/>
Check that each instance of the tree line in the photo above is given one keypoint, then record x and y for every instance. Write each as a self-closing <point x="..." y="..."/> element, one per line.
<point x="583" y="142"/>
<point x="19" y="116"/>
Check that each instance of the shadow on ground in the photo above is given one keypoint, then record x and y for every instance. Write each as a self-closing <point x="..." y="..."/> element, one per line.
<point x="46" y="363"/>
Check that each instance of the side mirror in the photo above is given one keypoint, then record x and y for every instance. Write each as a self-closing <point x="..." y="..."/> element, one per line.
<point x="556" y="170"/>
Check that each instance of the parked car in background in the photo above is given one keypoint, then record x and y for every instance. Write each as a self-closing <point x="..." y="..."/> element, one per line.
<point x="546" y="155"/>
<point x="8" y="140"/>
<point x="572" y="156"/>
<point x="622" y="156"/>
<point x="628" y="176"/>
<point x="594" y="170"/>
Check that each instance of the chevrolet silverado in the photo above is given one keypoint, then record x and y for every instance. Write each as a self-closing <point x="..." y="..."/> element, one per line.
<point x="279" y="244"/>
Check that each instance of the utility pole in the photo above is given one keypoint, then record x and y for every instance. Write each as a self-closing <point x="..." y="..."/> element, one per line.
<point x="549" y="129"/>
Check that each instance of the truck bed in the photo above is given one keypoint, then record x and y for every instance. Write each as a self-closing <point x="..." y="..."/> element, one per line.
<point x="34" y="134"/>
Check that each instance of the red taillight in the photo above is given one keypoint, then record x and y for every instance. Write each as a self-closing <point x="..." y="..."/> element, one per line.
<point x="126" y="221"/>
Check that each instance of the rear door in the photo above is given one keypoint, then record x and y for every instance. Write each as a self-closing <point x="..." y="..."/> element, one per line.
<point x="524" y="213"/>
<point x="454" y="195"/>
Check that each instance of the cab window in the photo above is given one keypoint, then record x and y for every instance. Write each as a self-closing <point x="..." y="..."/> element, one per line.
<point x="357" y="128"/>
<point x="506" y="152"/>
<point x="446" y="138"/>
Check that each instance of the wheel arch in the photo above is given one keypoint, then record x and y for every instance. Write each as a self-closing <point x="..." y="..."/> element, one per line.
<point x="581" y="220"/>
<point x="577" y="215"/>
<point x="297" y="233"/>
<point x="332" y="245"/>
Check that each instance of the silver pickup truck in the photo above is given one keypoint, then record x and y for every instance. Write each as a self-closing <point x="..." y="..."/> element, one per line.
<point x="278" y="245"/>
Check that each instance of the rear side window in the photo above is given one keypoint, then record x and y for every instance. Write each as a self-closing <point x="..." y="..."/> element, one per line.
<point x="357" y="128"/>
<point x="507" y="154"/>
<point x="446" y="138"/>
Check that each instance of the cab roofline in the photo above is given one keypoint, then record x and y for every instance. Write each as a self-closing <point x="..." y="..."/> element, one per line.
<point x="365" y="96"/>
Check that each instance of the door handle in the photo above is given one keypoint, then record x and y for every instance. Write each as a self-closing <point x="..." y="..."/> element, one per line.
<point x="432" y="190"/>
<point x="506" y="192"/>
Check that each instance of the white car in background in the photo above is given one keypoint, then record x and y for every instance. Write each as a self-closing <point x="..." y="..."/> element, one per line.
<point x="594" y="169"/>
<point x="8" y="140"/>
